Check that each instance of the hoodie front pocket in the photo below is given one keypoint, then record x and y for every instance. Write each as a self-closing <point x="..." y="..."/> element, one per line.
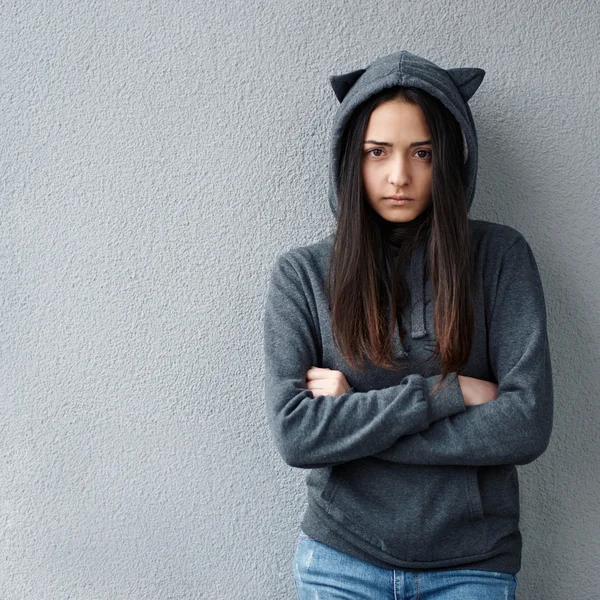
<point x="412" y="512"/>
<point x="473" y="492"/>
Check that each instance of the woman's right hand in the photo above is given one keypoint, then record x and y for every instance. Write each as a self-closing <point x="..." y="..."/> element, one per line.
<point x="477" y="391"/>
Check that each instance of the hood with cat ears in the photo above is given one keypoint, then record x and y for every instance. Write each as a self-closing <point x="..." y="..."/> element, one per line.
<point x="452" y="87"/>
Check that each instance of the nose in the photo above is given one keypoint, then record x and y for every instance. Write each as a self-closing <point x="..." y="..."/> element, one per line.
<point x="399" y="174"/>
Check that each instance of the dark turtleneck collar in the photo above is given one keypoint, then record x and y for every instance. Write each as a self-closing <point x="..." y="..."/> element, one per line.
<point x="397" y="233"/>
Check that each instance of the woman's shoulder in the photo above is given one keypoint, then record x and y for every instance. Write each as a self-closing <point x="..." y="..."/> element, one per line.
<point x="493" y="238"/>
<point x="309" y="260"/>
<point x="314" y="254"/>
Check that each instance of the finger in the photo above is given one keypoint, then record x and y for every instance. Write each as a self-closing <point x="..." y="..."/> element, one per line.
<point x="320" y="370"/>
<point x="311" y="385"/>
<point x="319" y="373"/>
<point x="315" y="388"/>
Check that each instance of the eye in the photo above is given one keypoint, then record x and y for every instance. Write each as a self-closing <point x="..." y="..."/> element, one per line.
<point x="428" y="153"/>
<point x="374" y="150"/>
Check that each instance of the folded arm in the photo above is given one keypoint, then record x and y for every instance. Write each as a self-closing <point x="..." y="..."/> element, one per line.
<point x="515" y="427"/>
<point x="326" y="430"/>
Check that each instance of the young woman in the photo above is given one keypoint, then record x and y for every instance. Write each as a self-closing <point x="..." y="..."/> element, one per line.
<point x="407" y="365"/>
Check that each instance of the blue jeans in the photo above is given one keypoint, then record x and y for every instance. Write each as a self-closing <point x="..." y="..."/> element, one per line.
<point x="323" y="572"/>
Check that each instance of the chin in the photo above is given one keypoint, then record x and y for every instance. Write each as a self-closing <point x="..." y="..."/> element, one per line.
<point x="397" y="216"/>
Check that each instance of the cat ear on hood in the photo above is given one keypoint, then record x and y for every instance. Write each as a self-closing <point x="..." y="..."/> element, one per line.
<point x="341" y="84"/>
<point x="467" y="80"/>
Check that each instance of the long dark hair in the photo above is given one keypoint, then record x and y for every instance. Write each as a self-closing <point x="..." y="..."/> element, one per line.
<point x="362" y="323"/>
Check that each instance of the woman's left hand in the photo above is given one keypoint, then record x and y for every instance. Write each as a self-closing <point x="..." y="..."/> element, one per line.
<point x="326" y="382"/>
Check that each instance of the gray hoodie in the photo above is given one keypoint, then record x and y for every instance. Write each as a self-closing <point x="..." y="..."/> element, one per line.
<point x="397" y="476"/>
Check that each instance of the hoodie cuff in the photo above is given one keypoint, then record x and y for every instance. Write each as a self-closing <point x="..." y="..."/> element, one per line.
<point x="448" y="400"/>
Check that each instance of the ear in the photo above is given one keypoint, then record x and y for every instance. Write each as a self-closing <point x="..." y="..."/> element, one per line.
<point x="467" y="80"/>
<point x="341" y="84"/>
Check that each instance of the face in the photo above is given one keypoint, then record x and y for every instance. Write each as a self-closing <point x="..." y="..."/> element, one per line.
<point x="396" y="161"/>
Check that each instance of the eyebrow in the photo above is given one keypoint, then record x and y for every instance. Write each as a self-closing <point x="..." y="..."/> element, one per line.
<point x="388" y="143"/>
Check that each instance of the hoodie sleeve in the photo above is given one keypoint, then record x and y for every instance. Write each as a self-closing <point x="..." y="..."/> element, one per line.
<point x="327" y="430"/>
<point x="515" y="427"/>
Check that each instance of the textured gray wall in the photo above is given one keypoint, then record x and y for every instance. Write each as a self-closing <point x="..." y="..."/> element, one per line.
<point x="156" y="156"/>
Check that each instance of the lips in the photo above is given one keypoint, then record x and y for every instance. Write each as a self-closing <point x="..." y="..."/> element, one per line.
<point x="398" y="198"/>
